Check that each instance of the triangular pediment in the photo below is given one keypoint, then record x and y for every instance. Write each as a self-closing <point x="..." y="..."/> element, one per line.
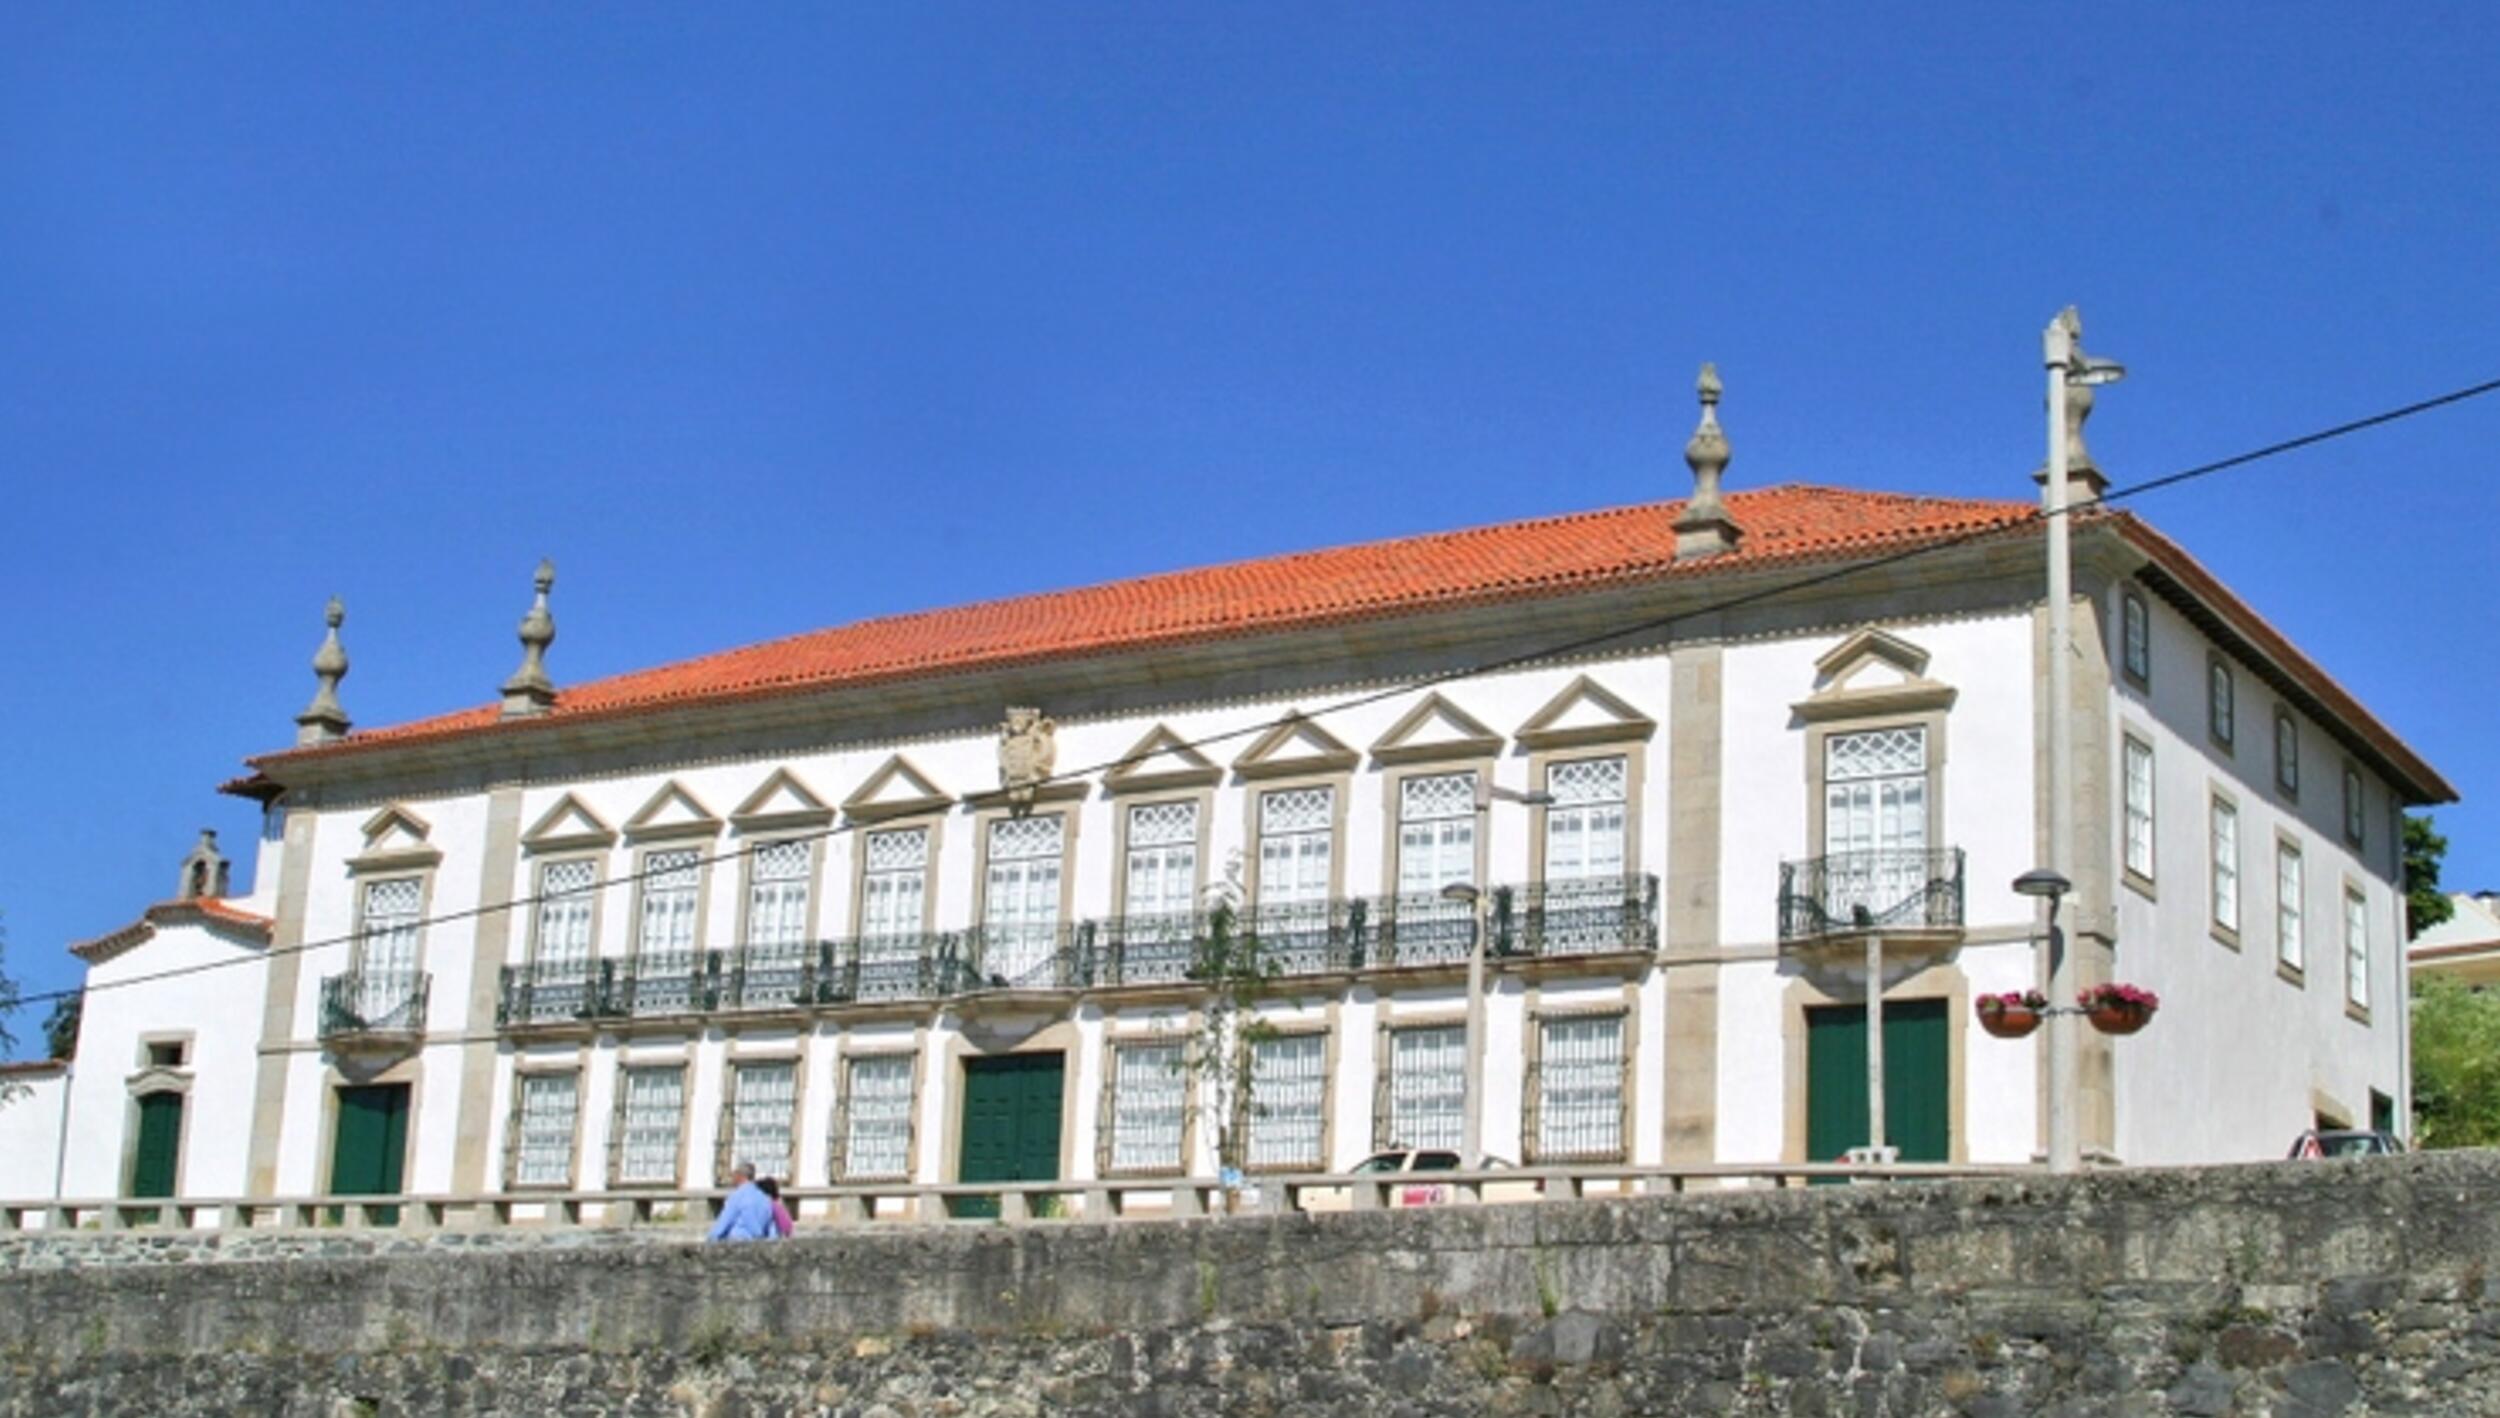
<point x="1585" y="712"/>
<point x="896" y="789"/>
<point x="1872" y="672"/>
<point x="672" y="812"/>
<point x="782" y="801"/>
<point x="1436" y="729"/>
<point x="569" y="824"/>
<point x="395" y="829"/>
<point x="1295" y="745"/>
<point x="1162" y="759"/>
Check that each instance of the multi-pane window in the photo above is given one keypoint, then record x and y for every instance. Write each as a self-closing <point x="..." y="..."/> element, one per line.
<point x="543" y="1155"/>
<point x="1584" y="826"/>
<point x="2220" y="713"/>
<point x="2139" y="801"/>
<point x="2286" y="753"/>
<point x="1427" y="1088"/>
<point x="662" y="977"/>
<point x="1436" y="832"/>
<point x="763" y="1102"/>
<point x="777" y="882"/>
<point x="1149" y="1088"/>
<point x="1579" y="1094"/>
<point x="1162" y="872"/>
<point x="894" y="884"/>
<point x="2353" y="818"/>
<point x="1288" y="1093"/>
<point x="560" y="941"/>
<point x="1020" y="914"/>
<point x="2288" y="886"/>
<point x="1297" y="839"/>
<point x="1874" y="821"/>
<point x="2136" y="636"/>
<point x="2225" y="852"/>
<point x="2356" y="950"/>
<point x="876" y="1117"/>
<point x="387" y="967"/>
<point x="651" y="1111"/>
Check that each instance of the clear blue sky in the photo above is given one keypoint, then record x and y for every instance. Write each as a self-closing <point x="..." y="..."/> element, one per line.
<point x="768" y="324"/>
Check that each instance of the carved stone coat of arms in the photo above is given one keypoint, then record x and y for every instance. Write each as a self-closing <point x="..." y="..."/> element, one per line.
<point x="1027" y="751"/>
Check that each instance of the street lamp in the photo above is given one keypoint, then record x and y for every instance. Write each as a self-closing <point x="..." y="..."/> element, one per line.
<point x="1471" y="1143"/>
<point x="2061" y="353"/>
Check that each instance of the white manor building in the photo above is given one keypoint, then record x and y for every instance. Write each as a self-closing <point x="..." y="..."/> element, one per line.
<point x="780" y="903"/>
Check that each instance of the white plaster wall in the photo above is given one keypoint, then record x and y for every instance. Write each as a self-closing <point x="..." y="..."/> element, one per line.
<point x="30" y="1134"/>
<point x="2232" y="1067"/>
<point x="219" y="1006"/>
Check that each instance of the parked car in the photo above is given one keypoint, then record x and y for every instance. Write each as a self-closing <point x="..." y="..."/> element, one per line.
<point x="1416" y="1164"/>
<point x="2318" y="1143"/>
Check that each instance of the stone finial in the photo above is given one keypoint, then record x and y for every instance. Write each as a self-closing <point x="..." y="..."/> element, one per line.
<point x="205" y="870"/>
<point x="529" y="691"/>
<point x="2084" y="482"/>
<point x="1705" y="529"/>
<point x="323" y="719"/>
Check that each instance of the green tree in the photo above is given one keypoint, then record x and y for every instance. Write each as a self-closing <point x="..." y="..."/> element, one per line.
<point x="2456" y="1064"/>
<point x="2425" y="904"/>
<point x="60" y="1027"/>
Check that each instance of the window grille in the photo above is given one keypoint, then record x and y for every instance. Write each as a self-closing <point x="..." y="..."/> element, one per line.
<point x="1021" y="904"/>
<point x="545" y="1156"/>
<point x="763" y="1101"/>
<point x="1288" y="1094"/>
<point x="387" y="971"/>
<point x="1580" y="1087"/>
<point x="2226" y="865"/>
<point x="2139" y="782"/>
<point x="875" y="1130"/>
<point x="653" y="1108"/>
<point x="1427" y="1087"/>
<point x="2288" y="945"/>
<point x="2356" y="950"/>
<point x="1149" y="1098"/>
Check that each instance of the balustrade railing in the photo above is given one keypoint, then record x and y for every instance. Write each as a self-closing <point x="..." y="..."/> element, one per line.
<point x="364" y="1001"/>
<point x="1884" y="889"/>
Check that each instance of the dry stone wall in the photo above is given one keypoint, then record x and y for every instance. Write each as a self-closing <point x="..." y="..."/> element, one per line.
<point x="2352" y="1287"/>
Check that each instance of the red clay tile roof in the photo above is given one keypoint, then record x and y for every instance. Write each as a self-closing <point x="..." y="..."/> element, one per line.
<point x="1546" y="556"/>
<point x="209" y="909"/>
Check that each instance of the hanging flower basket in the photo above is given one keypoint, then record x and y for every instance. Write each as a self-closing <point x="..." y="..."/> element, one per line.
<point x="2013" y="1014"/>
<point x="2118" y="1009"/>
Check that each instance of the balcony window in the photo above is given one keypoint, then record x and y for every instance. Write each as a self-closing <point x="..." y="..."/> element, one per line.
<point x="1288" y="1098"/>
<point x="560" y="940"/>
<point x="1160" y="887"/>
<point x="1020" y="912"/>
<point x="894" y="884"/>
<point x="1297" y="852"/>
<point x="543" y="1155"/>
<point x="1578" y="1088"/>
<point x="386" y="966"/>
<point x="762" y="1102"/>
<point x="1874" y="821"/>
<point x="664" y="934"/>
<point x="652" y="1112"/>
<point x="1584" y="826"/>
<point x="1436" y="832"/>
<point x="875" y="1130"/>
<point x="1427" y="1088"/>
<point x="1149" y="1101"/>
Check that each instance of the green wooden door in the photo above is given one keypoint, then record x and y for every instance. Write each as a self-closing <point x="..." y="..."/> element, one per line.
<point x="1917" y="1082"/>
<point x="1010" y="1123"/>
<point x="153" y="1161"/>
<point x="370" y="1154"/>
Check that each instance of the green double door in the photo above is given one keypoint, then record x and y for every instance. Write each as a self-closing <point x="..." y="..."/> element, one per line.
<point x="158" y="1155"/>
<point x="1010" y="1123"/>
<point x="369" y="1156"/>
<point x="1918" y="1100"/>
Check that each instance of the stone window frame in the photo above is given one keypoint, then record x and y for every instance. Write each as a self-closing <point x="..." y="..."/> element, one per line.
<point x="1384" y="1058"/>
<point x="2145" y="883"/>
<point x="724" y="1131"/>
<point x="2218" y="803"/>
<point x="748" y="846"/>
<point x="1634" y="751"/>
<point x="932" y="821"/>
<point x="1340" y="783"/>
<point x="837" y="1131"/>
<point x="1202" y="799"/>
<point x="1818" y="785"/>
<point x="986" y="819"/>
<point x="147" y="1080"/>
<point x="2294" y="966"/>
<point x="1625" y="1010"/>
<point x="1833" y="708"/>
<point x="1105" y="1114"/>
<point x="704" y="855"/>
<point x="394" y="870"/>
<point x="1393" y="821"/>
<point x="1243" y="1118"/>
<point x="597" y="891"/>
<point x="408" y="1072"/>
<point x="2286" y="754"/>
<point x="523" y="1070"/>
<point x="2355" y="894"/>
<point x="626" y="1065"/>
<point x="2222" y="701"/>
<point x="2135" y="653"/>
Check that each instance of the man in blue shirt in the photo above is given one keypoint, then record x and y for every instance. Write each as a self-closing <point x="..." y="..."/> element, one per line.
<point x="748" y="1214"/>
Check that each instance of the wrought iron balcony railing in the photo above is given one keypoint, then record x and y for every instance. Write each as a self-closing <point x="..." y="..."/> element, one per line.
<point x="916" y="966"/>
<point x="1585" y="917"/>
<point x="366" y="1002"/>
<point x="550" y="991"/>
<point x="1888" y="889"/>
<point x="1049" y="956"/>
<point x="665" y="982"/>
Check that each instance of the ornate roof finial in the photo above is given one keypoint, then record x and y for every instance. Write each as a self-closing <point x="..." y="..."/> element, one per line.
<point x="529" y="691"/>
<point x="1705" y="529"/>
<point x="323" y="719"/>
